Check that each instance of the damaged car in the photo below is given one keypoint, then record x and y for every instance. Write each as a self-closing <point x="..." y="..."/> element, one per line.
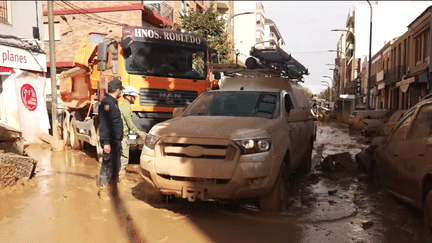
<point x="241" y="141"/>
<point x="403" y="162"/>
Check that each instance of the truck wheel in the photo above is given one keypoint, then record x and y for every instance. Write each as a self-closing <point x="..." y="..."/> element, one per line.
<point x="65" y="132"/>
<point x="74" y="141"/>
<point x="277" y="199"/>
<point x="427" y="212"/>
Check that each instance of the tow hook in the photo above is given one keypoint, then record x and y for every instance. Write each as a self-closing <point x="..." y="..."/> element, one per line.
<point x="192" y="196"/>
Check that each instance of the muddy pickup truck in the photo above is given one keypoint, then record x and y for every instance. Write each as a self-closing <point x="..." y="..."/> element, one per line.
<point x="241" y="141"/>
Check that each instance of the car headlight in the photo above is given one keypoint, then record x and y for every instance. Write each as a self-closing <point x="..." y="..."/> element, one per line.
<point x="151" y="140"/>
<point x="251" y="146"/>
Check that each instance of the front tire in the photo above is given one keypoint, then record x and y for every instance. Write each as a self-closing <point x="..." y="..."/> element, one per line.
<point x="306" y="165"/>
<point x="276" y="201"/>
<point x="427" y="212"/>
<point x="65" y="131"/>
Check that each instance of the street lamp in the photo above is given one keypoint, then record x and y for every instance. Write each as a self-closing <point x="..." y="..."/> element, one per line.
<point x="370" y="61"/>
<point x="353" y="57"/>
<point x="231" y="26"/>
<point x="344" y="72"/>
<point x="332" y="64"/>
<point x="330" y="86"/>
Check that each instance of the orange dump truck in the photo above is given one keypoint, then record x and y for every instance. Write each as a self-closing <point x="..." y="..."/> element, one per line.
<point x="168" y="68"/>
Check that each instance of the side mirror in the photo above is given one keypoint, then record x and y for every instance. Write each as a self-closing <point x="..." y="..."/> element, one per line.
<point x="178" y="111"/>
<point x="217" y="75"/>
<point x="126" y="42"/>
<point x="102" y="56"/>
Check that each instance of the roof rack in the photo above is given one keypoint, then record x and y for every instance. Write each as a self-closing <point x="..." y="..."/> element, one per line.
<point x="269" y="62"/>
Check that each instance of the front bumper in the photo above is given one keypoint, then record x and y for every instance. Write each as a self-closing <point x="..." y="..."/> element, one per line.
<point x="252" y="175"/>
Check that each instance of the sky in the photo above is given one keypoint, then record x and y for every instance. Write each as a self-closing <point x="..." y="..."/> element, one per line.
<point x="306" y="28"/>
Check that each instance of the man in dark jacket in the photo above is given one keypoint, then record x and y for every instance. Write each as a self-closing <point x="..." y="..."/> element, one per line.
<point x="111" y="133"/>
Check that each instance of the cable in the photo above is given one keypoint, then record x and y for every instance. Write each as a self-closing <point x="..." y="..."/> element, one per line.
<point x="82" y="19"/>
<point x="92" y="15"/>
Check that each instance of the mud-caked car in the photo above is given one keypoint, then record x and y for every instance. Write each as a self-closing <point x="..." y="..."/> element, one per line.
<point x="241" y="141"/>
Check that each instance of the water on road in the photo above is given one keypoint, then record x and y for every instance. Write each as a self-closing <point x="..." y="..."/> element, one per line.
<point x="60" y="204"/>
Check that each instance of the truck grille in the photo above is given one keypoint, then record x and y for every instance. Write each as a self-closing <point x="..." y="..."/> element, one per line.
<point x="163" y="97"/>
<point x="203" y="151"/>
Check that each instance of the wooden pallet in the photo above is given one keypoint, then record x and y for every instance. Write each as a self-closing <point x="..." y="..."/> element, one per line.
<point x="7" y="175"/>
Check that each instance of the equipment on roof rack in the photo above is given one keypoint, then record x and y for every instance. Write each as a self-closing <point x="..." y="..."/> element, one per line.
<point x="268" y="62"/>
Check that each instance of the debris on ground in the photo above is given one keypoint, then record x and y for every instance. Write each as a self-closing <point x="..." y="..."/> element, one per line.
<point x="24" y="166"/>
<point x="367" y="225"/>
<point x="336" y="162"/>
<point x="11" y="140"/>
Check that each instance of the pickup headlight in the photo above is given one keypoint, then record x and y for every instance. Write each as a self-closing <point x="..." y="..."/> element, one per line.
<point x="151" y="140"/>
<point x="251" y="146"/>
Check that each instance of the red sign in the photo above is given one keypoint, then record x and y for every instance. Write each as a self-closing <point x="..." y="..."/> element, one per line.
<point x="28" y="97"/>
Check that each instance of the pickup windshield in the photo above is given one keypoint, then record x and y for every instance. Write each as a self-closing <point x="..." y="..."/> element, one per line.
<point x="244" y="104"/>
<point x="165" y="61"/>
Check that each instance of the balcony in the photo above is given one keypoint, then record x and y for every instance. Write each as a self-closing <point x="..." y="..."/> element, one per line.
<point x="162" y="9"/>
<point x="273" y="39"/>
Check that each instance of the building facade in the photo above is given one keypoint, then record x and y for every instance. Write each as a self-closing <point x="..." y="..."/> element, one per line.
<point x="400" y="75"/>
<point x="394" y="82"/>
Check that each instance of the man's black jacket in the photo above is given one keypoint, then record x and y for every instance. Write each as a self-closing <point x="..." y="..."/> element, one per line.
<point x="111" y="124"/>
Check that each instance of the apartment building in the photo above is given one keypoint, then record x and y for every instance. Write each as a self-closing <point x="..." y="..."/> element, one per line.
<point x="252" y="29"/>
<point x="400" y="74"/>
<point x="392" y="46"/>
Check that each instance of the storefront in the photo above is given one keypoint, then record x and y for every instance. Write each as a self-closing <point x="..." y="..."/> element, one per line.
<point x="22" y="86"/>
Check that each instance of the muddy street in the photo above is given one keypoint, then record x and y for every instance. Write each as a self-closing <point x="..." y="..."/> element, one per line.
<point x="60" y="204"/>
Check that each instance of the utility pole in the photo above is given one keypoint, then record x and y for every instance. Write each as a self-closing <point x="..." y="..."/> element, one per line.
<point x="56" y="144"/>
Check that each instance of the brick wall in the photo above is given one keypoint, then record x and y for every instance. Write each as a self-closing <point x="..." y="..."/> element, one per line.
<point x="78" y="25"/>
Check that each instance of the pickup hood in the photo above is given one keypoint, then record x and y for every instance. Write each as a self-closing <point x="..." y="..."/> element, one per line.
<point x="222" y="127"/>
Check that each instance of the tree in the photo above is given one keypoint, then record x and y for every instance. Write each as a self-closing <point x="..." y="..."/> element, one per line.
<point x="326" y="95"/>
<point x="308" y="92"/>
<point x="210" y="26"/>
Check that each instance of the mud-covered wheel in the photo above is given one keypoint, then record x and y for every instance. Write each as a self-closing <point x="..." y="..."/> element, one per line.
<point x="277" y="199"/>
<point x="74" y="141"/>
<point x="427" y="212"/>
<point x="65" y="132"/>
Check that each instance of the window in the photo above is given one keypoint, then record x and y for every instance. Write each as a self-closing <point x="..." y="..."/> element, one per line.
<point x="57" y="33"/>
<point x="426" y="46"/>
<point x="243" y="104"/>
<point x="5" y="12"/>
<point x="418" y="51"/>
<point x="401" y="130"/>
<point x="288" y="103"/>
<point x="422" y="126"/>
